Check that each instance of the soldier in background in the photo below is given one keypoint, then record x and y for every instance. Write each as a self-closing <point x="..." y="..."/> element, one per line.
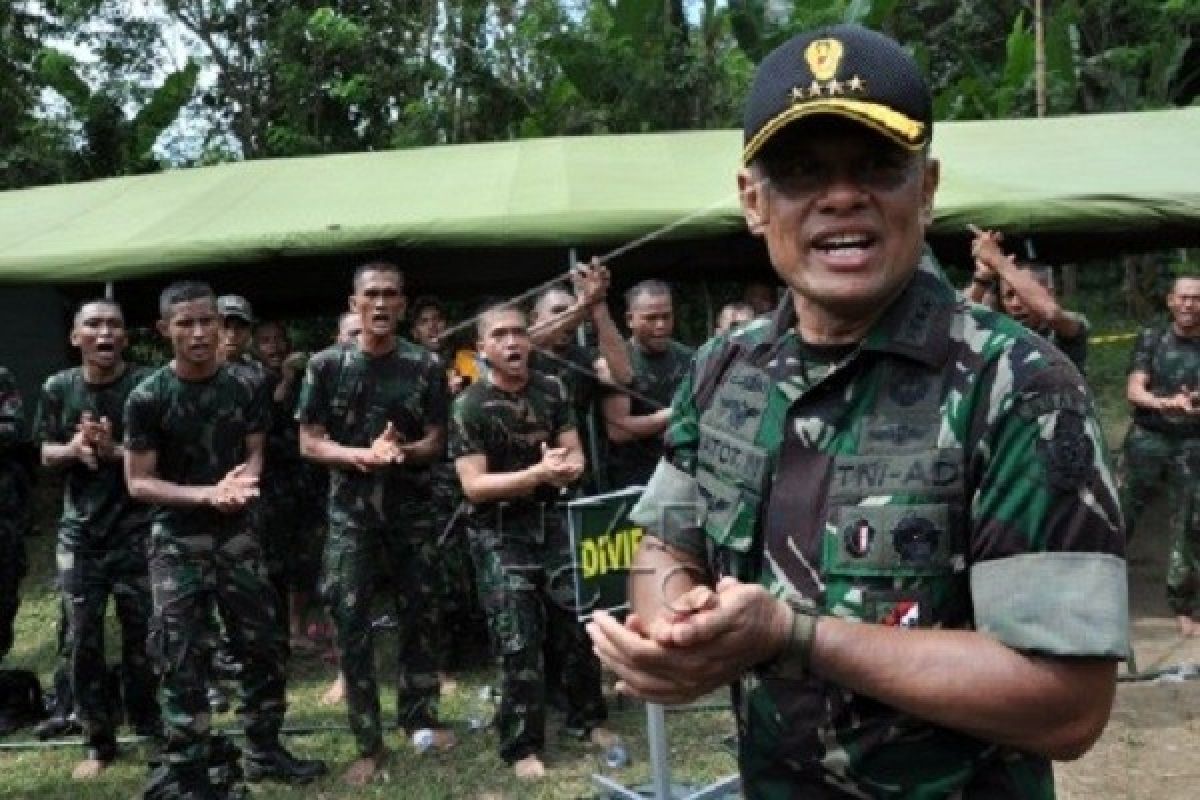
<point x="194" y="436"/>
<point x="373" y="410"/>
<point x="733" y="315"/>
<point x="515" y="447"/>
<point x="103" y="534"/>
<point x="1163" y="443"/>
<point x="635" y="420"/>
<point x="13" y="501"/>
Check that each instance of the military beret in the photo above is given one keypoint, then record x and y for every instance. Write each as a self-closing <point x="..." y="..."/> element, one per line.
<point x="846" y="71"/>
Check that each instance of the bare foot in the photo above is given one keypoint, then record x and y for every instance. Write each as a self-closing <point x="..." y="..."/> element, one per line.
<point x="1187" y="625"/>
<point x="364" y="770"/>
<point x="336" y="693"/>
<point x="602" y="737"/>
<point x="449" y="684"/>
<point x="530" y="768"/>
<point x="89" y="769"/>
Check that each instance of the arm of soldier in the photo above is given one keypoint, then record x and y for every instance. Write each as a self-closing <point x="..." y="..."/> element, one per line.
<point x="57" y="449"/>
<point x="315" y="445"/>
<point x="623" y="426"/>
<point x="428" y="448"/>
<point x="481" y="486"/>
<point x="141" y="476"/>
<point x="1137" y="392"/>
<point x="255" y="444"/>
<point x="611" y="345"/>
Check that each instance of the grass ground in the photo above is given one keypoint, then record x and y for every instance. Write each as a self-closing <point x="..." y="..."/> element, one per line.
<point x="1147" y="751"/>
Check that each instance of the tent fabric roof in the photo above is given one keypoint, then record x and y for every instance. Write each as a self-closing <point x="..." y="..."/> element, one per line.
<point x="1132" y="172"/>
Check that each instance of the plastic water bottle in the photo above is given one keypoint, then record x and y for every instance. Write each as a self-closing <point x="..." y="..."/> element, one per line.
<point x="423" y="740"/>
<point x="616" y="756"/>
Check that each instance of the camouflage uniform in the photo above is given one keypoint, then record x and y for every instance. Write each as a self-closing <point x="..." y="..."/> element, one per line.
<point x="384" y="514"/>
<point x="13" y="499"/>
<point x="1165" y="448"/>
<point x="101" y="551"/>
<point x="1073" y="347"/>
<point x="201" y="558"/>
<point x="655" y="379"/>
<point x="522" y="564"/>
<point x="946" y="472"/>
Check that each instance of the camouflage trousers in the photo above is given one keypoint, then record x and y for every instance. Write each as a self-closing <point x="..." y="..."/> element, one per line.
<point x="1152" y="460"/>
<point x="527" y="591"/>
<point x="88" y="577"/>
<point x="290" y="526"/>
<point x="407" y="550"/>
<point x="12" y="570"/>
<point x="191" y="575"/>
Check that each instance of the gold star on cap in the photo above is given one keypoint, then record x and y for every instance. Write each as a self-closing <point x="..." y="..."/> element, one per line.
<point x="857" y="84"/>
<point x="834" y="87"/>
<point x="814" y="89"/>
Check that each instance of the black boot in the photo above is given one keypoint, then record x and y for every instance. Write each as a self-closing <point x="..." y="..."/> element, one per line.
<point x="274" y="763"/>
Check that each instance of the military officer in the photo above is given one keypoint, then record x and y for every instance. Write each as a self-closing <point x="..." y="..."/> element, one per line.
<point x="884" y="514"/>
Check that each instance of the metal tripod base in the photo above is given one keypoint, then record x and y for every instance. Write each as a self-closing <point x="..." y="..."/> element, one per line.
<point x="661" y="787"/>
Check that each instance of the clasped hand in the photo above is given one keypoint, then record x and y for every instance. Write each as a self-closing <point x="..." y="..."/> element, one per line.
<point x="235" y="490"/>
<point x="93" y="440"/>
<point x="557" y="467"/>
<point x="707" y="639"/>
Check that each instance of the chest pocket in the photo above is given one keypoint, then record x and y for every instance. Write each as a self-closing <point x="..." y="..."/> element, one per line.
<point x="893" y="547"/>
<point x="732" y="468"/>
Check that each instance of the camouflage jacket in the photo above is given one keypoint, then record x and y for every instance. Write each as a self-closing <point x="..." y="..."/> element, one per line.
<point x="509" y="429"/>
<point x="1073" y="347"/>
<point x="655" y="379"/>
<point x="948" y="472"/>
<point x="1173" y="363"/>
<point x="198" y="430"/>
<point x="353" y="397"/>
<point x="96" y="505"/>
<point x="12" y="436"/>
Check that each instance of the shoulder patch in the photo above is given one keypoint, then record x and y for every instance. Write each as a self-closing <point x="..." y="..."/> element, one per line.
<point x="1068" y="454"/>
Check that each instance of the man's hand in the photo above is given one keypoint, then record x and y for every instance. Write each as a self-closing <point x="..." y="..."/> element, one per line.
<point x="557" y="468"/>
<point x="81" y="445"/>
<point x="591" y="282"/>
<point x="1185" y="401"/>
<point x="384" y="451"/>
<point x="99" y="436"/>
<point x="234" y="491"/>
<point x="708" y="639"/>
<point x="989" y="256"/>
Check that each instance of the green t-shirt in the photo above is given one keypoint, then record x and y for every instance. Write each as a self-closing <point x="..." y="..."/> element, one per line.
<point x="509" y="428"/>
<point x="1173" y="363"/>
<point x="354" y="396"/>
<point x="198" y="430"/>
<point x="655" y="378"/>
<point x="948" y="472"/>
<point x="96" y="503"/>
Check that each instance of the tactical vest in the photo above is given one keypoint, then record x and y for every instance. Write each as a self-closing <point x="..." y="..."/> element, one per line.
<point x="776" y="501"/>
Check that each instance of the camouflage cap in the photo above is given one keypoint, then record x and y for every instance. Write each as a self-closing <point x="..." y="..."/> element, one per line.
<point x="234" y="305"/>
<point x="846" y="71"/>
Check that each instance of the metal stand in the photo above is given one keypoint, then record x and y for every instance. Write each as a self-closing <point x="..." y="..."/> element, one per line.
<point x="660" y="769"/>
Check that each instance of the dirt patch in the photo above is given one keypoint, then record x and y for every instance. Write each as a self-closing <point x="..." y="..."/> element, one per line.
<point x="1149" y="748"/>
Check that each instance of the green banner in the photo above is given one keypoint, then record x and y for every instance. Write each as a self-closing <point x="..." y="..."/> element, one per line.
<point x="603" y="542"/>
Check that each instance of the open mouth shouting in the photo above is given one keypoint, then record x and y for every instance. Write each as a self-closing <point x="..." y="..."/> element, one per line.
<point x="847" y="250"/>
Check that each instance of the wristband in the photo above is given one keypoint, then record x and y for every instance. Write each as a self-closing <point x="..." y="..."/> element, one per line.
<point x="793" y="660"/>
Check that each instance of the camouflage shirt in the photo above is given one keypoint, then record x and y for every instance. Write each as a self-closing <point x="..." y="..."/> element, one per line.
<point x="948" y="472"/>
<point x="198" y="429"/>
<point x="509" y="428"/>
<point x="12" y="435"/>
<point x="655" y="379"/>
<point x="354" y="396"/>
<point x="1173" y="363"/>
<point x="1073" y="347"/>
<point x="96" y="503"/>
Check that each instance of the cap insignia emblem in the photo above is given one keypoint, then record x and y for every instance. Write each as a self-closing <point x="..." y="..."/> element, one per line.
<point x="823" y="57"/>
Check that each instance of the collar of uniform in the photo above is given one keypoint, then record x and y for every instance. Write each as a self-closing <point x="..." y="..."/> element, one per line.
<point x="916" y="325"/>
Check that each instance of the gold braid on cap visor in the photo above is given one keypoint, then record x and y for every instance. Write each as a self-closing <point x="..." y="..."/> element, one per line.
<point x="901" y="129"/>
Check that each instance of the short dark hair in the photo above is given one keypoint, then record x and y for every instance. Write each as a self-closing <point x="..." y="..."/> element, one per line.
<point x="654" y="288"/>
<point x="183" y="292"/>
<point x="424" y="302"/>
<point x="493" y="306"/>
<point x="96" y="301"/>
<point x="376" y="266"/>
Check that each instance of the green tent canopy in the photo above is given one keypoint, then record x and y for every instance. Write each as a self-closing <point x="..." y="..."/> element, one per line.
<point x="501" y="215"/>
